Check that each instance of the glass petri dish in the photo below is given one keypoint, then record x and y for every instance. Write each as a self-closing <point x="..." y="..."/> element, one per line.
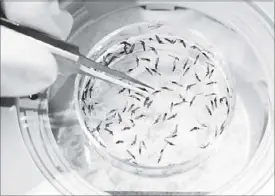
<point x="239" y="160"/>
<point x="169" y="128"/>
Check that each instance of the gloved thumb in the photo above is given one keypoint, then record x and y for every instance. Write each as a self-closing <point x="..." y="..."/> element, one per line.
<point x="26" y="66"/>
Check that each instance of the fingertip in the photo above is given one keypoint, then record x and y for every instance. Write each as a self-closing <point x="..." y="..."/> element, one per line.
<point x="42" y="15"/>
<point x="26" y="66"/>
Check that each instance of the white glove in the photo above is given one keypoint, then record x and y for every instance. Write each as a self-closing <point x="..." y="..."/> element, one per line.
<point x="26" y="66"/>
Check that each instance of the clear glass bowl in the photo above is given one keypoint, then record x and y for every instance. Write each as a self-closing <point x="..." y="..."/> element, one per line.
<point x="240" y="160"/>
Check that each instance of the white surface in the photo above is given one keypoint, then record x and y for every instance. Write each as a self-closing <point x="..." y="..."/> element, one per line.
<point x="267" y="7"/>
<point x="18" y="172"/>
<point x="19" y="175"/>
<point x="268" y="189"/>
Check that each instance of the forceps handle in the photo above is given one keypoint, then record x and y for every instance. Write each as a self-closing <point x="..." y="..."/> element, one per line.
<point x="56" y="43"/>
<point x="68" y="51"/>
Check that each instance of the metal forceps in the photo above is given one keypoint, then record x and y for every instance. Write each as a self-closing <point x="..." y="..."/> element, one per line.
<point x="82" y="64"/>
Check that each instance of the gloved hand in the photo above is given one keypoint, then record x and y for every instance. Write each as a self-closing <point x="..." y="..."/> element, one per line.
<point x="26" y="66"/>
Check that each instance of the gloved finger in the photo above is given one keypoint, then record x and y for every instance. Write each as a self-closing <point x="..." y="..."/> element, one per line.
<point x="42" y="15"/>
<point x="38" y="63"/>
<point x="26" y="66"/>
